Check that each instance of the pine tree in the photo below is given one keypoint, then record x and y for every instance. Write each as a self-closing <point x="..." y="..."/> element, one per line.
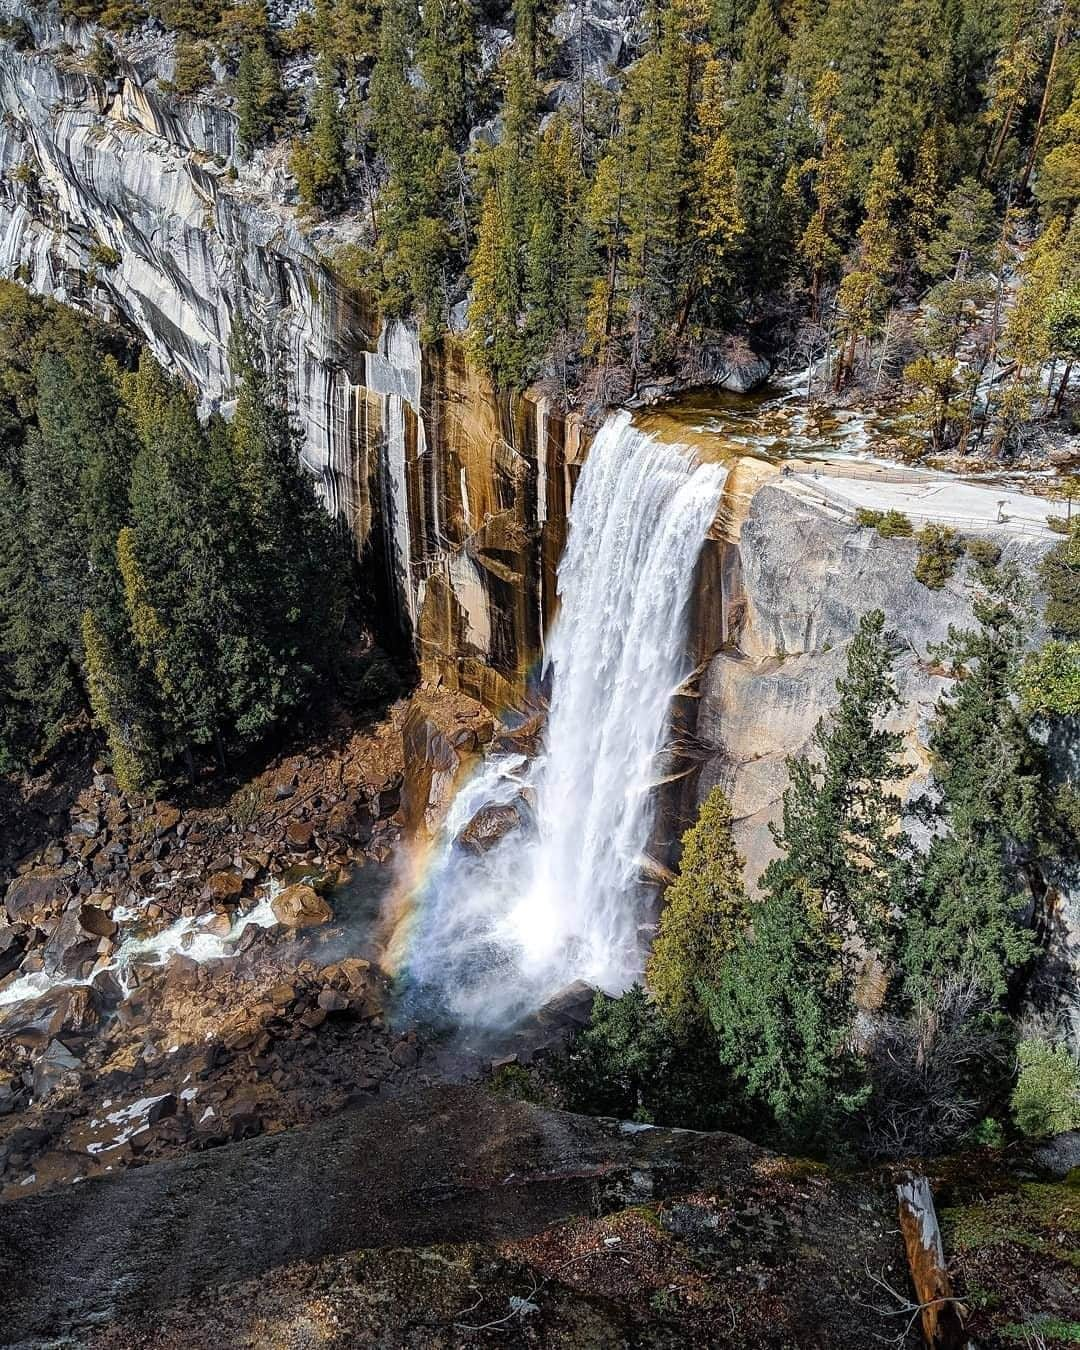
<point x="258" y="94"/>
<point x="783" y="1016"/>
<point x="914" y="80"/>
<point x="705" y="912"/>
<point x="756" y="142"/>
<point x="964" y="918"/>
<point x="864" y="292"/>
<point x="318" y="161"/>
<point x="838" y="832"/>
<point x="134" y="762"/>
<point x="828" y="181"/>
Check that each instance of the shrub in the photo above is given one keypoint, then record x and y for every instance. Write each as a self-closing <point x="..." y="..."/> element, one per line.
<point x="104" y="255"/>
<point x="935" y="1072"/>
<point x="984" y="552"/>
<point x="1058" y="524"/>
<point x="192" y="69"/>
<point x="1046" y="1099"/>
<point x="894" y="525"/>
<point x="870" y="519"/>
<point x="939" y="552"/>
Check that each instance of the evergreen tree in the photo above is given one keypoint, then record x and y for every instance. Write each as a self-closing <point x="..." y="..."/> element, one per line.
<point x="864" y="292"/>
<point x="756" y="144"/>
<point x="783" y="1015"/>
<point x="839" y="826"/>
<point x="258" y="94"/>
<point x="705" y="913"/>
<point x="828" y="183"/>
<point x="989" y="774"/>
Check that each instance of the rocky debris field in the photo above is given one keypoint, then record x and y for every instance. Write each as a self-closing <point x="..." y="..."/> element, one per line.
<point x="177" y="975"/>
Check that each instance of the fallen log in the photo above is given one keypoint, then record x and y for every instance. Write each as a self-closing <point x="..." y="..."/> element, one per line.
<point x="941" y="1313"/>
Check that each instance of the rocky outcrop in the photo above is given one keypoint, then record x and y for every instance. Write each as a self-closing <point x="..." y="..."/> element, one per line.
<point x="758" y="1250"/>
<point x="796" y="579"/>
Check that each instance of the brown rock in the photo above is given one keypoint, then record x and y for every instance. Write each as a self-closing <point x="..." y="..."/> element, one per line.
<point x="298" y="835"/>
<point x="224" y="888"/>
<point x="36" y="895"/>
<point x="313" y="1017"/>
<point x="166" y="817"/>
<point x="301" y="907"/>
<point x="96" y="922"/>
<point x="220" y="925"/>
<point x="404" y="1054"/>
<point x="330" y="1000"/>
<point x="488" y="827"/>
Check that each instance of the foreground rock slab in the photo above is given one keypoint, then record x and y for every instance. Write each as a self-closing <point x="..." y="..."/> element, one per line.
<point x="115" y="1261"/>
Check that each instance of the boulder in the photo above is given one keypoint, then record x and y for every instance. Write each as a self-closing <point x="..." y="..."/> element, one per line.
<point x="166" y="817"/>
<point x="96" y="922"/>
<point x="55" y="1066"/>
<point x="488" y="827"/>
<point x="298" y="835"/>
<point x="36" y="895"/>
<point x="331" y="1000"/>
<point x="301" y="907"/>
<point x="12" y="946"/>
<point x="224" y="888"/>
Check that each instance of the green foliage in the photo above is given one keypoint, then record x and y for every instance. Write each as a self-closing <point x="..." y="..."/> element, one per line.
<point x="181" y="581"/>
<point x="940" y="549"/>
<point x="782" y="1014"/>
<point x="626" y="1063"/>
<point x="894" y="525"/>
<point x="705" y="911"/>
<point x="1059" y="572"/>
<point x="990" y="775"/>
<point x="191" y="71"/>
<point x="983" y="552"/>
<point x="1050" y="679"/>
<point x="783" y="1008"/>
<point x="258" y="95"/>
<point x="868" y="518"/>
<point x="1046" y="1099"/>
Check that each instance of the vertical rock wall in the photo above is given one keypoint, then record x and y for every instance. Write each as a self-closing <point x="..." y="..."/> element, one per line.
<point x="129" y="203"/>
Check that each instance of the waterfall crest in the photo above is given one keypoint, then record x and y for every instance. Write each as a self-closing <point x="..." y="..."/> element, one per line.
<point x="559" y="899"/>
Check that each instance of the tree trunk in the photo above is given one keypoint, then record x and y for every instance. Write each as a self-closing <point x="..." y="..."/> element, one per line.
<point x="1047" y="91"/>
<point x="942" y="1320"/>
<point x="1059" y="397"/>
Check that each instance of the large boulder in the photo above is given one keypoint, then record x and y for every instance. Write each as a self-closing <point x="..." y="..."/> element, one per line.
<point x="35" y="896"/>
<point x="300" y="907"/>
<point x="489" y="826"/>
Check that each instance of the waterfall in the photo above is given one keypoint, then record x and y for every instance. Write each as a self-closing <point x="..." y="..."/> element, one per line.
<point x="559" y="899"/>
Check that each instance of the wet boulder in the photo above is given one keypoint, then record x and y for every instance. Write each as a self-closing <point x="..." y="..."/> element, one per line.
<point x="301" y="906"/>
<point x="489" y="826"/>
<point x="95" y="922"/>
<point x="12" y="946"/>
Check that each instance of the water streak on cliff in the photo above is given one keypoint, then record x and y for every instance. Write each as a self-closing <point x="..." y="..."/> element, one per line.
<point x="559" y="898"/>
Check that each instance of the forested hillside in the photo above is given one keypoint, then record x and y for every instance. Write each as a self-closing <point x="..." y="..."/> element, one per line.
<point x="180" y="581"/>
<point x="890" y="184"/>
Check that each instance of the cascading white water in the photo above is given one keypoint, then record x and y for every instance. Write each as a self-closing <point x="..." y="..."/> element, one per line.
<point x="560" y="899"/>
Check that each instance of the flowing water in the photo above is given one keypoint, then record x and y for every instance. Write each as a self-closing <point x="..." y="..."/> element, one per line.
<point x="559" y="899"/>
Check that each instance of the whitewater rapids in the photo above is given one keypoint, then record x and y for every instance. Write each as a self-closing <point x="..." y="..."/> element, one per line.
<point x="493" y="937"/>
